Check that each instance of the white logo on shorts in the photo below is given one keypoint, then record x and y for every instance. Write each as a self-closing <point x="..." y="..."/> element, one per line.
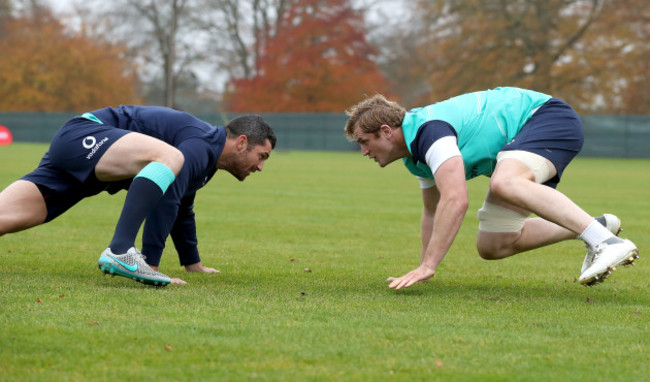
<point x="89" y="142"/>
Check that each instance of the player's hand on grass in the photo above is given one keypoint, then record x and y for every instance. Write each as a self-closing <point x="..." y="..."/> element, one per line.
<point x="418" y="275"/>
<point x="198" y="267"/>
<point x="177" y="281"/>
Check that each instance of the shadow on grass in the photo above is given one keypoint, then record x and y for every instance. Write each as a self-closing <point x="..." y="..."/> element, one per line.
<point x="490" y="289"/>
<point x="509" y="291"/>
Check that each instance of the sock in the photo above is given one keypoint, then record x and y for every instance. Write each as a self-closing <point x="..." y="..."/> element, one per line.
<point x="595" y="233"/>
<point x="599" y="219"/>
<point x="144" y="193"/>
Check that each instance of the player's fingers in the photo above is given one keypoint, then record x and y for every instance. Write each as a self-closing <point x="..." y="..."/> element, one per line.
<point x="408" y="282"/>
<point x="401" y="285"/>
<point x="403" y="282"/>
<point x="412" y="279"/>
<point x="397" y="282"/>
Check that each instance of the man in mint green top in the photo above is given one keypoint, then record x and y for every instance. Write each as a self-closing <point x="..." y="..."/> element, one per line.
<point x="520" y="138"/>
<point x="473" y="114"/>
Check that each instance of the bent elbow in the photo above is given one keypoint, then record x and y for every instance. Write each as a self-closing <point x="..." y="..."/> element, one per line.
<point x="462" y="204"/>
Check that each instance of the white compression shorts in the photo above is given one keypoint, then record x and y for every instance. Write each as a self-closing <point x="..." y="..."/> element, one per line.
<point x="494" y="218"/>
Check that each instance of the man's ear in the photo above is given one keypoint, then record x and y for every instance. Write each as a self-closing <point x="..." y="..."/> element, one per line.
<point x="387" y="131"/>
<point x="241" y="143"/>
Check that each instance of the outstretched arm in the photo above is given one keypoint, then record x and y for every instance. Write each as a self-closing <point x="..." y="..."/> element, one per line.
<point x="440" y="224"/>
<point x="430" y="198"/>
<point x="184" y="236"/>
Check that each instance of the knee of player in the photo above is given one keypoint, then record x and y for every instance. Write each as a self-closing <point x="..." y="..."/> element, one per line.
<point x="7" y="226"/>
<point x="485" y="251"/>
<point x="492" y="251"/>
<point x="173" y="159"/>
<point x="500" y="186"/>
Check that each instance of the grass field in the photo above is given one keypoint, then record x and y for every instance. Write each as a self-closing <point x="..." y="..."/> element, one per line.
<point x="264" y="317"/>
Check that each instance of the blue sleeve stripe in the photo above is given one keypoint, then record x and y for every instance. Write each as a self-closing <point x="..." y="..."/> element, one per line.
<point x="427" y="134"/>
<point x="158" y="173"/>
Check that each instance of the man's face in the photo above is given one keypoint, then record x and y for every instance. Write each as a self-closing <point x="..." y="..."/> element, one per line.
<point x="251" y="159"/>
<point x="377" y="147"/>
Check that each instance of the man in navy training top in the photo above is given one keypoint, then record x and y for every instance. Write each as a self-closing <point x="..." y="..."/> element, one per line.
<point x="161" y="156"/>
<point x="520" y="138"/>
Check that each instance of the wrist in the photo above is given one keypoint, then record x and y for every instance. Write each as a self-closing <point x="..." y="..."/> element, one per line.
<point x="196" y="267"/>
<point x="429" y="265"/>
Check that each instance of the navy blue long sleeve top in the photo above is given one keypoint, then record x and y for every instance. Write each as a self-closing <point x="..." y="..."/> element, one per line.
<point x="201" y="145"/>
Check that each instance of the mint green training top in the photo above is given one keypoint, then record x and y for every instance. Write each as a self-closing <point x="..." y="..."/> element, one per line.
<point x="484" y="122"/>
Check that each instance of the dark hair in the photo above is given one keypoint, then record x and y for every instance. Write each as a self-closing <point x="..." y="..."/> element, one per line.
<point x="254" y="127"/>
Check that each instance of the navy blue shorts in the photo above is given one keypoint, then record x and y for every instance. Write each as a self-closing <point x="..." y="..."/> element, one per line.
<point x="66" y="174"/>
<point x="554" y="132"/>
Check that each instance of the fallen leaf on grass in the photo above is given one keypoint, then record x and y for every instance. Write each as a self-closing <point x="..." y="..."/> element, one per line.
<point x="38" y="299"/>
<point x="307" y="270"/>
<point x="438" y="363"/>
<point x="94" y="322"/>
<point x="169" y="348"/>
<point x="61" y="296"/>
<point x="293" y="260"/>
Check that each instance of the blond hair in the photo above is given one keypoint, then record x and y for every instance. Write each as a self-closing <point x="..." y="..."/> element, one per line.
<point x="373" y="112"/>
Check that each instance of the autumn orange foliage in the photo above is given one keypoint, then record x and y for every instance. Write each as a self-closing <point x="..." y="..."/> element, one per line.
<point x="45" y="68"/>
<point x="318" y="60"/>
<point x="593" y="54"/>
